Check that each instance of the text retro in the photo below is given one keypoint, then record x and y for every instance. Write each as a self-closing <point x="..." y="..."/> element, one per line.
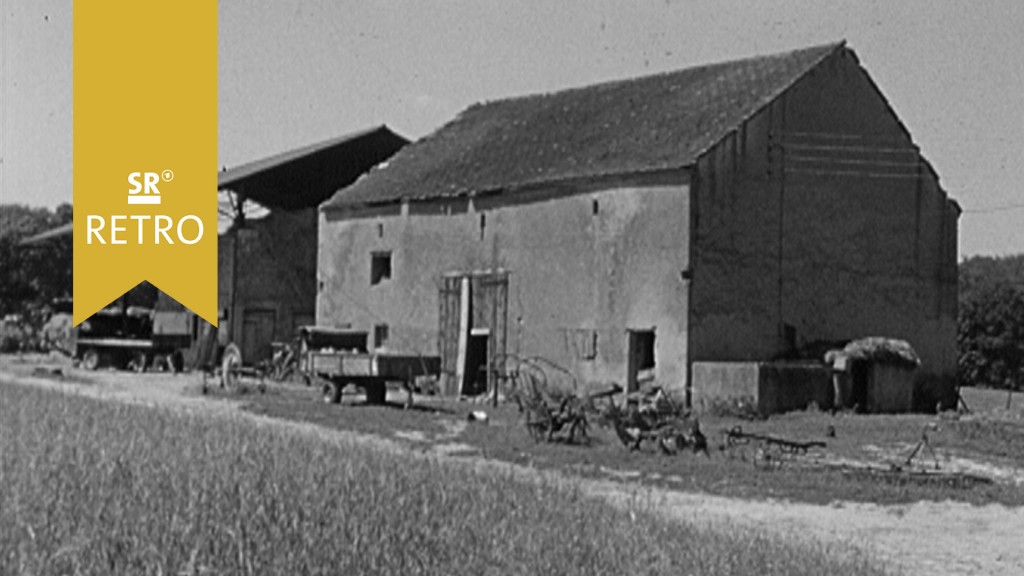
<point x="144" y="228"/>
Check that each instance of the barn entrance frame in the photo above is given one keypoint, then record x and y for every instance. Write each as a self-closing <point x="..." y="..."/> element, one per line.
<point x="473" y="331"/>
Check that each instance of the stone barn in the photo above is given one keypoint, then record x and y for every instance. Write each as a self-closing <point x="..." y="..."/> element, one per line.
<point x="734" y="212"/>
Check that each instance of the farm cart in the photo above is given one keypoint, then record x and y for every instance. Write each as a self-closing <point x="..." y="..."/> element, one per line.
<point x="336" y="359"/>
<point x="233" y="372"/>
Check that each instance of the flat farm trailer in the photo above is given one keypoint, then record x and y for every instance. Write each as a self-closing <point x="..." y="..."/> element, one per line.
<point x="135" y="339"/>
<point x="337" y="359"/>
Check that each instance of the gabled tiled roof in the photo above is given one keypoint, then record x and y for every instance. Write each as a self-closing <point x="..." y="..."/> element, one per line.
<point x="644" y="124"/>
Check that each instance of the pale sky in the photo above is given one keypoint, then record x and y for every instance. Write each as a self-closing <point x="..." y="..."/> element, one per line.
<point x="293" y="73"/>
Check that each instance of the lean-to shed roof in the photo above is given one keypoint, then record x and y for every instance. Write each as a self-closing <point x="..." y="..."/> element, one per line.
<point x="306" y="176"/>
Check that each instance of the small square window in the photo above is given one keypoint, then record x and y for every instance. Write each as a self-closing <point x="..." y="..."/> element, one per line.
<point x="380" y="267"/>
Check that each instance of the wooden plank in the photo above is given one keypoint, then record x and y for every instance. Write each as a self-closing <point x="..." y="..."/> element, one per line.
<point x="464" y="312"/>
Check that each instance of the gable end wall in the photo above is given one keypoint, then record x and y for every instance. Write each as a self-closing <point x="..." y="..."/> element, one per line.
<point x="819" y="215"/>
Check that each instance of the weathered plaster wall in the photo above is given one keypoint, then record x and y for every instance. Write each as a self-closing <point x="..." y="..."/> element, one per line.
<point x="276" y="272"/>
<point x="602" y="257"/>
<point x="725" y="383"/>
<point x="819" y="215"/>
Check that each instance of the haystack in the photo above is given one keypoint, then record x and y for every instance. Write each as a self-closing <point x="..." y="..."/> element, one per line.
<point x="878" y="350"/>
<point x="874" y="374"/>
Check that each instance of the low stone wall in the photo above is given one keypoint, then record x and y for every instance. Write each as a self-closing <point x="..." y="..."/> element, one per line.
<point x="787" y="387"/>
<point x="766" y="388"/>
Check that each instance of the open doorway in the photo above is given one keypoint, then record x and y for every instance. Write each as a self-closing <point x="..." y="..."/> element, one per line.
<point x="859" y="374"/>
<point x="639" y="359"/>
<point x="476" y="363"/>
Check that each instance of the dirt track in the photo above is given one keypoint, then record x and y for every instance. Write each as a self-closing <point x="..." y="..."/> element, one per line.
<point x="924" y="538"/>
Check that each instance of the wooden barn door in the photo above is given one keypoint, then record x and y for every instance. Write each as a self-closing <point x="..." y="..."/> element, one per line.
<point x="449" y="333"/>
<point x="473" y="331"/>
<point x="257" y="334"/>
<point x="490" y="316"/>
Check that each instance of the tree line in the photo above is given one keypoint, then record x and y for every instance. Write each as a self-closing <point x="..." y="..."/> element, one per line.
<point x="32" y="277"/>
<point x="990" y="335"/>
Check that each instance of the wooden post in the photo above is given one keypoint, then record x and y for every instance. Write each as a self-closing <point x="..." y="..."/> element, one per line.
<point x="460" y="362"/>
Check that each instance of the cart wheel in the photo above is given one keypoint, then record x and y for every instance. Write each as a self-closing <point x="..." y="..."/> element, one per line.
<point x="138" y="362"/>
<point x="90" y="359"/>
<point x="175" y="362"/>
<point x="332" y="392"/>
<point x="229" y="366"/>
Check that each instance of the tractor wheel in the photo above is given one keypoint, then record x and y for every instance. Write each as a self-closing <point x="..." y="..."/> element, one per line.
<point x="332" y="392"/>
<point x="229" y="365"/>
<point x="91" y="359"/>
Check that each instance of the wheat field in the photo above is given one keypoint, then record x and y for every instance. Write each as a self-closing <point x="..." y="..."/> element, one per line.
<point x="94" y="487"/>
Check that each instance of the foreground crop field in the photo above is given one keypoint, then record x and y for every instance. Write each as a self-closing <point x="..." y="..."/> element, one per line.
<point x="91" y="487"/>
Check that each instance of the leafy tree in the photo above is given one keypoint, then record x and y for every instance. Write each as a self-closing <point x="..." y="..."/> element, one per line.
<point x="991" y="324"/>
<point x="32" y="276"/>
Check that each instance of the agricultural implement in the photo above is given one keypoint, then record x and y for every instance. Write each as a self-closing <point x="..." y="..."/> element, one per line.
<point x="736" y="436"/>
<point x="548" y="399"/>
<point x="655" y="419"/>
<point x="545" y="420"/>
<point x="234" y="374"/>
<point x="338" y="359"/>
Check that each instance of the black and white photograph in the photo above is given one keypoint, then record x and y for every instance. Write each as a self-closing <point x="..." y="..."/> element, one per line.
<point x="568" y="287"/>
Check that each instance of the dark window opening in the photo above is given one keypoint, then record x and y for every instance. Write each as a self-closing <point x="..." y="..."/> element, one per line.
<point x="380" y="267"/>
<point x="789" y="338"/>
<point x="597" y="207"/>
<point x="380" y="230"/>
<point x="645" y="350"/>
<point x="380" y="335"/>
<point x="640" y="367"/>
<point x="483" y="225"/>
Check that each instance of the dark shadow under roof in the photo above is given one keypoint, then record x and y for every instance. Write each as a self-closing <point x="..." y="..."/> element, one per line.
<point x="652" y="123"/>
<point x="305" y="177"/>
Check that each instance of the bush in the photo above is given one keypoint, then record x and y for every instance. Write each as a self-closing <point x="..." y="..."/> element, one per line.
<point x="990" y="333"/>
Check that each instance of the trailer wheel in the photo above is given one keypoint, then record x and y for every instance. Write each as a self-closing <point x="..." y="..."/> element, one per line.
<point x="175" y="362"/>
<point x="138" y="362"/>
<point x="90" y="359"/>
<point x="229" y="366"/>
<point x="332" y="392"/>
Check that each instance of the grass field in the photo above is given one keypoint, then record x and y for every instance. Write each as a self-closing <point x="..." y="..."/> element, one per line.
<point x="992" y="401"/>
<point x="91" y="487"/>
<point x="997" y="440"/>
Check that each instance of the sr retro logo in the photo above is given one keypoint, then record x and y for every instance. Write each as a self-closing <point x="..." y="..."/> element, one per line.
<point x="144" y="229"/>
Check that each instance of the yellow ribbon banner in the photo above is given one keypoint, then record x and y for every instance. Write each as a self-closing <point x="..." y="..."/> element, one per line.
<point x="145" y="151"/>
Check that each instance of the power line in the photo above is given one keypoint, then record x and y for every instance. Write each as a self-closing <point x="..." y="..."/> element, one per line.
<point x="1005" y="208"/>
